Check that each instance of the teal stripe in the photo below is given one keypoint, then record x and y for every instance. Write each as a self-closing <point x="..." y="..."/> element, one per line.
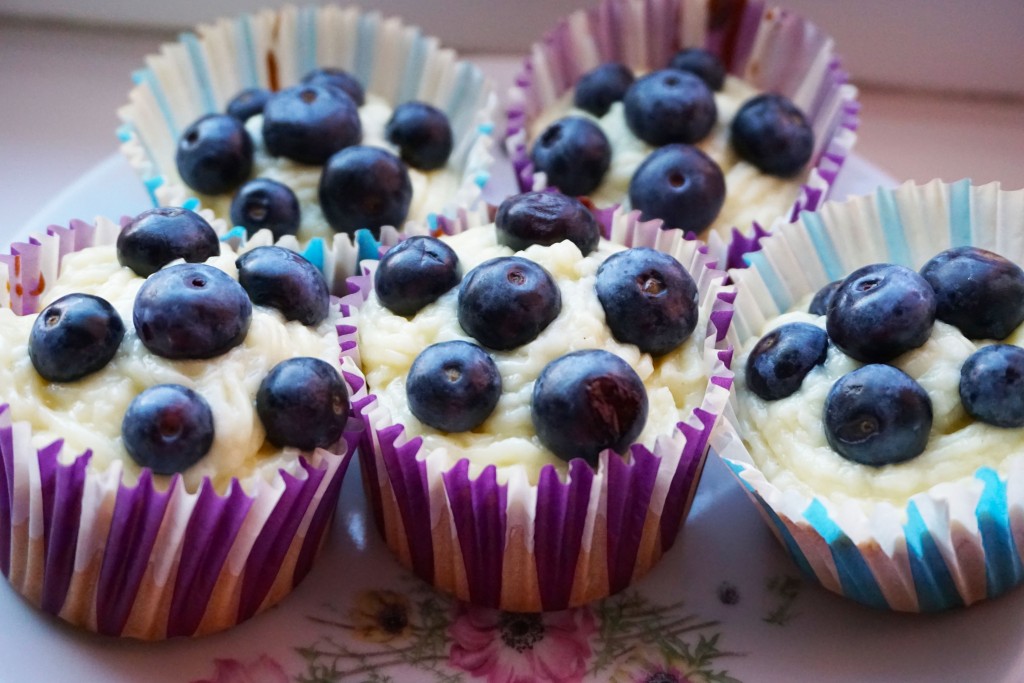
<point x="145" y="76"/>
<point x="199" y="69"/>
<point x="307" y="40"/>
<point x="366" y="40"/>
<point x="773" y="284"/>
<point x="369" y="248"/>
<point x="192" y="204"/>
<point x="823" y="245"/>
<point x="237" y="233"/>
<point x="932" y="580"/>
<point x="314" y="252"/>
<point x="960" y="213"/>
<point x="460" y="109"/>
<point x="124" y="132"/>
<point x="414" y="65"/>
<point x="855" y="576"/>
<point x="247" y="55"/>
<point x="892" y="228"/>
<point x="1002" y="564"/>
<point x="151" y="185"/>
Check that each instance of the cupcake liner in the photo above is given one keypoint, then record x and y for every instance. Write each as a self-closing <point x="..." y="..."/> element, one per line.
<point x="771" y="48"/>
<point x="556" y="544"/>
<point x="273" y="49"/>
<point x="954" y="544"/>
<point x="150" y="560"/>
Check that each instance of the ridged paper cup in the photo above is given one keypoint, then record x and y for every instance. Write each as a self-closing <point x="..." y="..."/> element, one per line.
<point x="771" y="48"/>
<point x="274" y="49"/>
<point x="953" y="544"/>
<point x="568" y="539"/>
<point x="149" y="559"/>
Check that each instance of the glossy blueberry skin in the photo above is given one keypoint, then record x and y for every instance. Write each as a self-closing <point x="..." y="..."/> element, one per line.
<point x="156" y="237"/>
<point x="414" y="273"/>
<point x="167" y="428"/>
<point x="506" y="302"/>
<point x="587" y="401"/>
<point x="309" y="123"/>
<point x="670" y="106"/>
<point x="648" y="298"/>
<point x="546" y="218"/>
<point x="701" y="63"/>
<point x="771" y="133"/>
<point x="337" y="78"/>
<point x="877" y="415"/>
<point x="992" y="385"/>
<point x="978" y="291"/>
<point x="365" y="187"/>
<point x="214" y="154"/>
<point x="422" y="134"/>
<point x="780" y="360"/>
<point x="248" y="103"/>
<point x="265" y="204"/>
<point x="74" y="336"/>
<point x="823" y="298"/>
<point x="280" y="278"/>
<point x="881" y="311"/>
<point x="574" y="153"/>
<point x="598" y="89"/>
<point x="453" y="386"/>
<point x="191" y="310"/>
<point x="303" y="403"/>
<point x="681" y="185"/>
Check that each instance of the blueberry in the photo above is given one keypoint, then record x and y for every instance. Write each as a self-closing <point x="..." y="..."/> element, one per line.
<point x="823" y="298"/>
<point x="265" y="204"/>
<point x="979" y="292"/>
<point x="73" y="337"/>
<point x="414" y="273"/>
<point x="670" y="106"/>
<point x="422" y="134"/>
<point x="701" y="63"/>
<point x="648" y="298"/>
<point x="191" y="310"/>
<point x="280" y="278"/>
<point x="681" y="185"/>
<point x="881" y="311"/>
<point x="772" y="134"/>
<point x="156" y="237"/>
<point x="248" y="103"/>
<point x="167" y="428"/>
<point x="337" y="78"/>
<point x="506" y="302"/>
<point x="587" y="401"/>
<point x="214" y="154"/>
<point x="546" y="218"/>
<point x="780" y="360"/>
<point x="453" y="386"/>
<point x="574" y="154"/>
<point x="309" y="123"/>
<point x="365" y="187"/>
<point x="877" y="415"/>
<point x="303" y="403"/>
<point x="599" y="88"/>
<point x="992" y="385"/>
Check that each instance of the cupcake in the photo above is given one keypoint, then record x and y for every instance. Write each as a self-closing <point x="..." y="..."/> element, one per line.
<point x="162" y="476"/>
<point x="877" y="422"/>
<point x="520" y="452"/>
<point x="716" y="119"/>
<point x="325" y="126"/>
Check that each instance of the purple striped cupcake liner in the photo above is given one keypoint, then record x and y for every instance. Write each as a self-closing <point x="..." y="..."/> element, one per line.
<point x="771" y="48"/>
<point x="571" y="538"/>
<point x="150" y="559"/>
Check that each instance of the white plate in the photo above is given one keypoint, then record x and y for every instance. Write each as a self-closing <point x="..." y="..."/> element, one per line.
<point x="725" y="600"/>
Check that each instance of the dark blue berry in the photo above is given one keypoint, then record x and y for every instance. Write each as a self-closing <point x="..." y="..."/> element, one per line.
<point x="648" y="298"/>
<point x="670" y="106"/>
<point x="681" y="185"/>
<point x="309" y="123"/>
<point x="453" y="386"/>
<point x="772" y="134"/>
<point x="167" y="428"/>
<point x="156" y="237"/>
<point x="598" y="89"/>
<point x="979" y="292"/>
<point x="303" y="403"/>
<point x="546" y="218"/>
<point x="881" y="311"/>
<point x="422" y="134"/>
<point x="823" y="298"/>
<point x="701" y="63"/>
<point x="280" y="278"/>
<point x="265" y="204"/>
<point x="365" y="187"/>
<point x="214" y="154"/>
<point x="877" y="415"/>
<point x="506" y="302"/>
<point x="191" y="310"/>
<point x="574" y="153"/>
<point x="780" y="360"/>
<point x="414" y="273"/>
<point x="248" y="103"/>
<point x="587" y="401"/>
<point x="992" y="385"/>
<point x="337" y="78"/>
<point x="73" y="337"/>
